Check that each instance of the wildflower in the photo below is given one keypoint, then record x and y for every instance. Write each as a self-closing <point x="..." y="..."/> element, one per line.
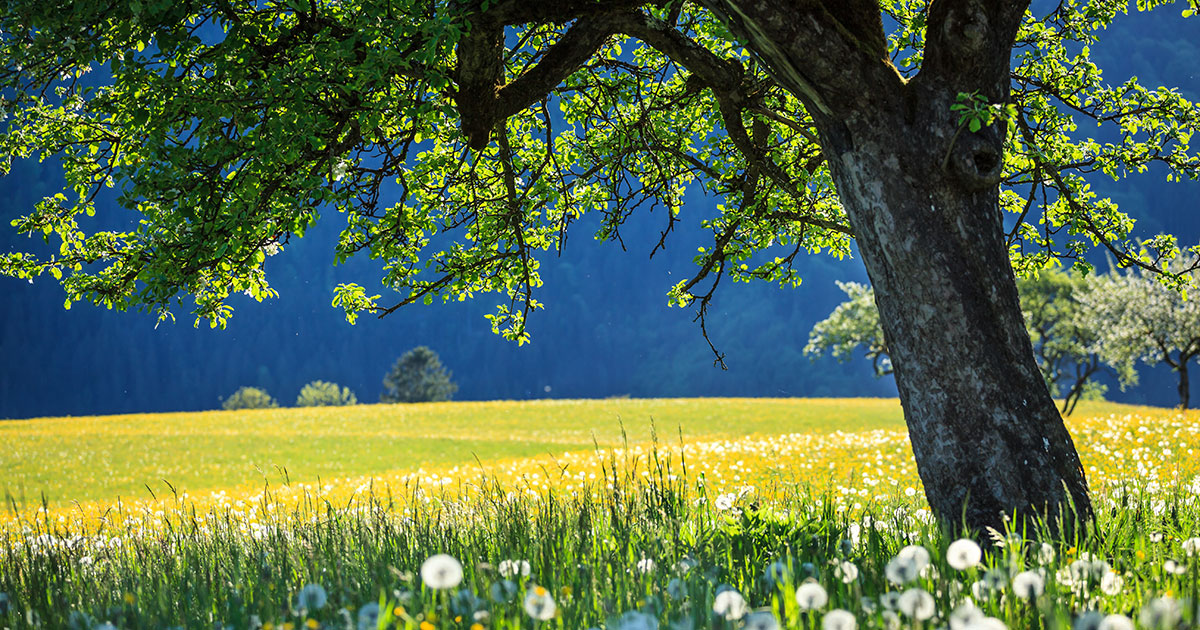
<point x="995" y="579"/>
<point x="811" y="596"/>
<point x="539" y="604"/>
<point x="368" y="617"/>
<point x="890" y="600"/>
<point x="730" y="604"/>
<point x="761" y="620"/>
<point x="963" y="554"/>
<point x="676" y="589"/>
<point x="847" y="571"/>
<point x="1163" y="613"/>
<point x="513" y="568"/>
<point x="1046" y="553"/>
<point x="1177" y="568"/>
<point x="441" y="572"/>
<point x="965" y="615"/>
<point x="986" y="623"/>
<point x="891" y="621"/>
<point x="917" y="603"/>
<point x="1111" y="583"/>
<point x="1089" y="620"/>
<point x="311" y="597"/>
<point x="503" y="592"/>
<point x="1115" y="622"/>
<point x="312" y="624"/>
<point x="724" y="502"/>
<point x="1191" y="546"/>
<point x="838" y="619"/>
<point x="775" y="573"/>
<point x="1028" y="584"/>
<point x="634" y="620"/>
<point x="918" y="554"/>
<point x="646" y="565"/>
<point x="900" y="571"/>
<point x="685" y="565"/>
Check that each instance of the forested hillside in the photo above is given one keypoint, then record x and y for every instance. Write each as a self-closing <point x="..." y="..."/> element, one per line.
<point x="606" y="329"/>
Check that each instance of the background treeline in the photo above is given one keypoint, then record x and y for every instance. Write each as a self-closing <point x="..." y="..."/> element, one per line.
<point x="606" y="330"/>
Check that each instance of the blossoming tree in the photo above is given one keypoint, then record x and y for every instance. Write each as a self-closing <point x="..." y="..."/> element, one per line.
<point x="460" y="140"/>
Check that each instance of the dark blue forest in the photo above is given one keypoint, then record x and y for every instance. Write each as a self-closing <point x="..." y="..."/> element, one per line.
<point x="605" y="331"/>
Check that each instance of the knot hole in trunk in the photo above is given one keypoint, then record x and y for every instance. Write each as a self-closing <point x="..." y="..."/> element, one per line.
<point x="976" y="160"/>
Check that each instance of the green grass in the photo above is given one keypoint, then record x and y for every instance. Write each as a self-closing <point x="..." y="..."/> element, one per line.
<point x="101" y="458"/>
<point x="589" y="552"/>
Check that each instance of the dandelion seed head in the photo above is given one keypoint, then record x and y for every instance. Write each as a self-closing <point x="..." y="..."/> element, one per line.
<point x="846" y="571"/>
<point x="917" y="603"/>
<point x="1028" y="585"/>
<point x="811" y="596"/>
<point x="513" y="568"/>
<point x="730" y="605"/>
<point x="839" y="619"/>
<point x="539" y="604"/>
<point x="964" y="554"/>
<point x="761" y="620"/>
<point x="441" y="571"/>
<point x="1115" y="622"/>
<point x="311" y="597"/>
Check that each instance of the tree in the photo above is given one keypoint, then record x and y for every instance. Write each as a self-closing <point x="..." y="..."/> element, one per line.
<point x="462" y="139"/>
<point x="418" y="376"/>
<point x="249" y="398"/>
<point x="852" y="323"/>
<point x="1138" y="319"/>
<point x="1063" y="337"/>
<point x="325" y="394"/>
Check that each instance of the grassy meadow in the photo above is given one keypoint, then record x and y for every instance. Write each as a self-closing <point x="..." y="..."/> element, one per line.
<point x="616" y="514"/>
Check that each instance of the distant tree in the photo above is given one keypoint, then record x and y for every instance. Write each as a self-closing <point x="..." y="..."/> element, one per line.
<point x="249" y="398"/>
<point x="1063" y="337"/>
<point x="1139" y="319"/>
<point x="325" y="394"/>
<point x="418" y="376"/>
<point x="1063" y="340"/>
<point x="853" y="323"/>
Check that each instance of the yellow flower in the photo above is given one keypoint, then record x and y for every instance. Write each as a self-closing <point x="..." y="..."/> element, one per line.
<point x="268" y="626"/>
<point x="287" y="625"/>
<point x="458" y="619"/>
<point x="312" y="624"/>
<point x="476" y="626"/>
<point x="129" y="598"/>
<point x="564" y="592"/>
<point x="425" y="625"/>
<point x="398" y="611"/>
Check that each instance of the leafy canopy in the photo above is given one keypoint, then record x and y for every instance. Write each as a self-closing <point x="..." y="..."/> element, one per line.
<point x="230" y="128"/>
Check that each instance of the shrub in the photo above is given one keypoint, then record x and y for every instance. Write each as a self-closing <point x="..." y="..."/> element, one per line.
<point x="325" y="394"/>
<point x="249" y="398"/>
<point x="418" y="376"/>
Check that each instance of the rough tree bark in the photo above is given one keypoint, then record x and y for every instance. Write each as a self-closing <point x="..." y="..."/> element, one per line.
<point x="923" y="199"/>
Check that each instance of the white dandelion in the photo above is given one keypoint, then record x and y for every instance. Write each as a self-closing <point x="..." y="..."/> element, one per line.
<point x="1028" y="585"/>
<point x="513" y="568"/>
<point x="1191" y="546"/>
<point x="539" y="604"/>
<point x="917" y="603"/>
<point x="1111" y="583"/>
<point x="368" y="617"/>
<point x="964" y="615"/>
<point x="311" y="597"/>
<point x="1046" y="553"/>
<point x="646" y="565"/>
<point x="1161" y="613"/>
<point x="986" y="623"/>
<point x="846" y="571"/>
<point x="634" y="620"/>
<point x="676" y="589"/>
<point x="811" y="596"/>
<point x="1115" y="622"/>
<point x="963" y="554"/>
<point x="901" y="571"/>
<point x="730" y="605"/>
<point x="1089" y="620"/>
<point x="761" y="620"/>
<point x="838" y="619"/>
<point x="441" y="572"/>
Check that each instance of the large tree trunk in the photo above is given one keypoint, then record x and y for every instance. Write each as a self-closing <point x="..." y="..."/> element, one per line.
<point x="984" y="429"/>
<point x="1184" y="388"/>
<point x="922" y="195"/>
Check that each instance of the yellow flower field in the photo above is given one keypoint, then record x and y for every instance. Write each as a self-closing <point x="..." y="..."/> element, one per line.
<point x="836" y="446"/>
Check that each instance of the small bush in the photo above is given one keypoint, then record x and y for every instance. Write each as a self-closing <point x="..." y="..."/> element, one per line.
<point x="418" y="376"/>
<point x="325" y="394"/>
<point x="249" y="398"/>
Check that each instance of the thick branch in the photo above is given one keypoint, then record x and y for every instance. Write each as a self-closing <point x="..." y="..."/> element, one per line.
<point x="969" y="44"/>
